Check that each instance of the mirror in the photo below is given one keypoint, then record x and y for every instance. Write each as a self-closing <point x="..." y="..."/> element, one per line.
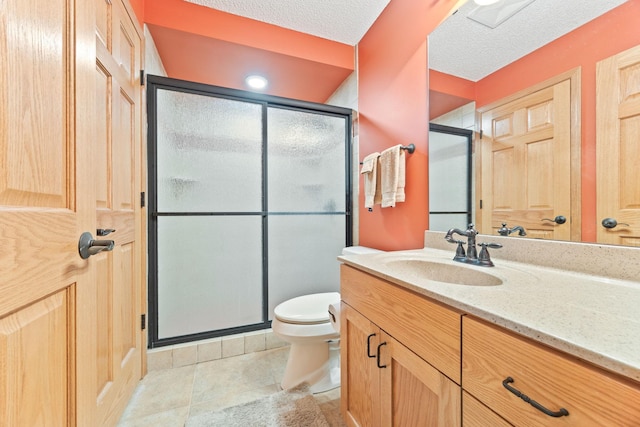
<point x="470" y="62"/>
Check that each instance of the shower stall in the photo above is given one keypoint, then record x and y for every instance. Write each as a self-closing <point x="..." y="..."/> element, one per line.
<point x="249" y="205"/>
<point x="450" y="177"/>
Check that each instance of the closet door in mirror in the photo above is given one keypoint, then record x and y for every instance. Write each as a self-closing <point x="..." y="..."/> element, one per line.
<point x="524" y="166"/>
<point x="618" y="148"/>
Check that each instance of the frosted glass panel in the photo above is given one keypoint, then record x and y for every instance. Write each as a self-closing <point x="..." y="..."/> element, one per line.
<point x="448" y="172"/>
<point x="306" y="162"/>
<point x="443" y="222"/>
<point x="209" y="273"/>
<point x="209" y="154"/>
<point x="302" y="255"/>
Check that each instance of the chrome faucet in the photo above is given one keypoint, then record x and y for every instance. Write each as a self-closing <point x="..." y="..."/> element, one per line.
<point x="470" y="233"/>
<point x="505" y="231"/>
<point x="471" y="256"/>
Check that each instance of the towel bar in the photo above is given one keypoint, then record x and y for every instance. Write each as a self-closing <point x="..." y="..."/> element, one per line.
<point x="410" y="148"/>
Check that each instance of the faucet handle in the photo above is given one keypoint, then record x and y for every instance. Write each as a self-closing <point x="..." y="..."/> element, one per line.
<point x="484" y="258"/>
<point x="460" y="253"/>
<point x="450" y="239"/>
<point x="503" y="231"/>
<point x="490" y="245"/>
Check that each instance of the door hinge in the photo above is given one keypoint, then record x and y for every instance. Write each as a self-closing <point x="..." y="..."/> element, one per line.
<point x="480" y="203"/>
<point x="142" y="200"/>
<point x="480" y="133"/>
<point x="143" y="322"/>
<point x="141" y="77"/>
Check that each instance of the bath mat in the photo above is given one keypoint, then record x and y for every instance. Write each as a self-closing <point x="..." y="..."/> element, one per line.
<point x="291" y="408"/>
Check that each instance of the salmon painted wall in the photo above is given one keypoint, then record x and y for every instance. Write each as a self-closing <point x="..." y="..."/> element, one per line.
<point x="206" y="45"/>
<point x="447" y="92"/>
<point x="603" y="37"/>
<point x="138" y="9"/>
<point x="393" y="109"/>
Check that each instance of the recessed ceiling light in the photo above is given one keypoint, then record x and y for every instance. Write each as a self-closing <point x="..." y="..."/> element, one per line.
<point x="485" y="2"/>
<point x="256" y="82"/>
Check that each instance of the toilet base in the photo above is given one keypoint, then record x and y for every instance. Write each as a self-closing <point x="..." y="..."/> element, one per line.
<point x="317" y="364"/>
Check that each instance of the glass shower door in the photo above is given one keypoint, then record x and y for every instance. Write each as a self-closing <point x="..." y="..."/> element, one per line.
<point x="449" y="178"/>
<point x="249" y="205"/>
<point x="209" y="161"/>
<point x="307" y="183"/>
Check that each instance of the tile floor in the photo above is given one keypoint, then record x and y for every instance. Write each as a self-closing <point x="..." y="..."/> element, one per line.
<point x="167" y="397"/>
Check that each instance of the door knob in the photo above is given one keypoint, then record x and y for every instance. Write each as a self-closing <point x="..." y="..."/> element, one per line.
<point x="87" y="246"/>
<point x="558" y="220"/>
<point x="612" y="223"/>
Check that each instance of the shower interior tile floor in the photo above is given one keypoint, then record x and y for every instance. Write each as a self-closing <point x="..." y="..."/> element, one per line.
<point x="167" y="397"/>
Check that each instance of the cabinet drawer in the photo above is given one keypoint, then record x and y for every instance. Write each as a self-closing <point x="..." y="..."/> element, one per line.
<point x="475" y="414"/>
<point x="555" y="380"/>
<point x="429" y="329"/>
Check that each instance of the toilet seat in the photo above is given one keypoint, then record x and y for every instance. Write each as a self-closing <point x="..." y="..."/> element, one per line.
<point x="307" y="309"/>
<point x="304" y="332"/>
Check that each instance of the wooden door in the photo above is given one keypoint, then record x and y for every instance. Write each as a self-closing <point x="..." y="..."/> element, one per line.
<point x="117" y="206"/>
<point x="46" y="191"/>
<point x="618" y="148"/>
<point x="360" y="378"/>
<point x="525" y="164"/>
<point x="414" y="393"/>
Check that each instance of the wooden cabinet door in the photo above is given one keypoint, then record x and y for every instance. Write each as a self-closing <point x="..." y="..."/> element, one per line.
<point x="524" y="167"/>
<point x="46" y="191"/>
<point x="618" y="147"/>
<point x="117" y="206"/>
<point x="360" y="378"/>
<point x="414" y="393"/>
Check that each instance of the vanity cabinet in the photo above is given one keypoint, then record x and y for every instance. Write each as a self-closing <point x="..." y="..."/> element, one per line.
<point x="386" y="381"/>
<point x="494" y="359"/>
<point x="475" y="414"/>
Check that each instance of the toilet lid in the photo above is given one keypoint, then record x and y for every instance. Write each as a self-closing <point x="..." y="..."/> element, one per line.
<point x="312" y="308"/>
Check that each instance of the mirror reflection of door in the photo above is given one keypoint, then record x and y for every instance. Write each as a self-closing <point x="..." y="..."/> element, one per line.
<point x="449" y="177"/>
<point x="524" y="175"/>
<point x="618" y="148"/>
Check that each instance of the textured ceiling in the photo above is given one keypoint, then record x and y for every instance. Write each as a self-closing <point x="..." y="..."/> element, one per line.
<point x="345" y="21"/>
<point x="470" y="50"/>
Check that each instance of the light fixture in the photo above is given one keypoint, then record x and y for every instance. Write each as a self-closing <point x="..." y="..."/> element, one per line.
<point x="485" y="2"/>
<point x="256" y="82"/>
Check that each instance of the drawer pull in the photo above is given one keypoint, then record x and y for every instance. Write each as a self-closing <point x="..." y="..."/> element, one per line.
<point x="378" y="356"/>
<point x="369" y="346"/>
<point x="561" y="413"/>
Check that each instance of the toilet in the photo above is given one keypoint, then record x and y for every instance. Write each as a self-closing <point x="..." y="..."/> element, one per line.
<point x="310" y="324"/>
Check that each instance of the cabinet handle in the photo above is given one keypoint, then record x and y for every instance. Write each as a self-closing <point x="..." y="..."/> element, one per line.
<point x="562" y="412"/>
<point x="378" y="356"/>
<point x="369" y="346"/>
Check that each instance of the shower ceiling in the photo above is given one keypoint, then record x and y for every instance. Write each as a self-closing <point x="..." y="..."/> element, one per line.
<point x="344" y="21"/>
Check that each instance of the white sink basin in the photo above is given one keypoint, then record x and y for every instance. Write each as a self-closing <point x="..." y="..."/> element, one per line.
<point x="441" y="272"/>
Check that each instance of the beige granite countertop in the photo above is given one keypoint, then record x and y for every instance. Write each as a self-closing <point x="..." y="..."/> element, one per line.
<point x="593" y="317"/>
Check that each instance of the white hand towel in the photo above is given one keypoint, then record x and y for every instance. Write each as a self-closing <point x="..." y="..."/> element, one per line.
<point x="392" y="166"/>
<point x="370" y="171"/>
<point x="401" y="177"/>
